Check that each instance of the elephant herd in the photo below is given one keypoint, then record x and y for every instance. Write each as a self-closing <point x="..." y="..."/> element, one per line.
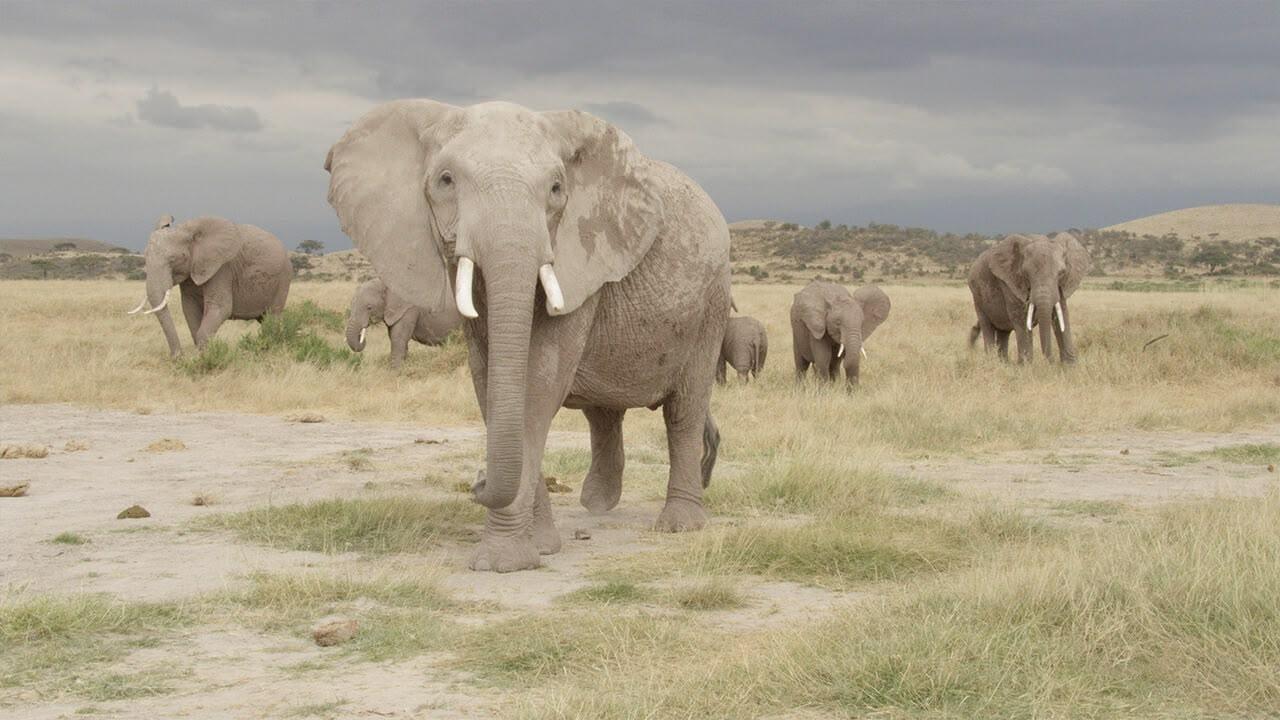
<point x="584" y="275"/>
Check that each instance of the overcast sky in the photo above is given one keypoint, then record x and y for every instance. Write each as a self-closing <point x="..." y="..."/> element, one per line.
<point x="987" y="117"/>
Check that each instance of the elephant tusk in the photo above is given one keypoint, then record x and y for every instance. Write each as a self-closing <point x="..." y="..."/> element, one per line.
<point x="840" y="352"/>
<point x="1057" y="309"/>
<point x="1031" y="307"/>
<point x="466" y="269"/>
<point x="138" y="309"/>
<point x="864" y="353"/>
<point x="363" y="330"/>
<point x="551" y="286"/>
<point x="160" y="307"/>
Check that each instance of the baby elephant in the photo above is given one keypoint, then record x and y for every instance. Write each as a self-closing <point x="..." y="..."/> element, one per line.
<point x="374" y="302"/>
<point x="829" y="326"/>
<point x="745" y="348"/>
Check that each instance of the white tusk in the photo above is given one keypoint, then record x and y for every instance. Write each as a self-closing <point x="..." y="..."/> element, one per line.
<point x="840" y="352"/>
<point x="1031" y="307"/>
<point x="864" y="353"/>
<point x="551" y="286"/>
<point x="159" y="307"/>
<point x="1062" y="324"/>
<point x="362" y="332"/>
<point x="462" y="292"/>
<point x="138" y="309"/>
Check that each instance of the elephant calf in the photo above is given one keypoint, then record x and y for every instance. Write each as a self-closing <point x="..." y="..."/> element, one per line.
<point x="745" y="347"/>
<point x="223" y="270"/>
<point x="1022" y="281"/>
<point x="829" y="326"/>
<point x="374" y="302"/>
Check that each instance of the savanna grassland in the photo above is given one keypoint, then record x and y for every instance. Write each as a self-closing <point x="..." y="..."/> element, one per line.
<point x="956" y="538"/>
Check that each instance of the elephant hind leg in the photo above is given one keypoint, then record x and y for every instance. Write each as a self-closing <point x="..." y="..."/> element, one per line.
<point x="710" y="449"/>
<point x="602" y="487"/>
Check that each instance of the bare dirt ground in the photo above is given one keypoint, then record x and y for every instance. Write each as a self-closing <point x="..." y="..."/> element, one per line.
<point x="244" y="461"/>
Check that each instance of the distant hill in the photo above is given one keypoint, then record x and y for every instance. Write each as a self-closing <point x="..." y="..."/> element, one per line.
<point x="1233" y="223"/>
<point x="20" y="248"/>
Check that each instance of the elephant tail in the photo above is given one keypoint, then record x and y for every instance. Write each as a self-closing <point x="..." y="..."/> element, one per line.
<point x="974" y="332"/>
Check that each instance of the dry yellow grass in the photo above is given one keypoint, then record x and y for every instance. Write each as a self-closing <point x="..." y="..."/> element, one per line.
<point x="1210" y="222"/>
<point x="923" y="390"/>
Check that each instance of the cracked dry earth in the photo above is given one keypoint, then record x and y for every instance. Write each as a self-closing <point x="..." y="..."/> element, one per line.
<point x="243" y="461"/>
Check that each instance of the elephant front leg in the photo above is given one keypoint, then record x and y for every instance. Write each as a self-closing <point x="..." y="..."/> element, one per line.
<point x="399" y="335"/>
<point x="824" y="357"/>
<point x="214" y="315"/>
<point x="1066" y="340"/>
<point x="193" y="310"/>
<point x="1002" y="343"/>
<point x="602" y="487"/>
<point x="1023" y="333"/>
<point x="686" y="419"/>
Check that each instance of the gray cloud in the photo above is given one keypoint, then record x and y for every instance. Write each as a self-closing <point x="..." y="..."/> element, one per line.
<point x="623" y="113"/>
<point x="162" y="108"/>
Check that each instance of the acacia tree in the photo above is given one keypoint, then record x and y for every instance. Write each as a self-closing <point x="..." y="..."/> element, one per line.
<point x="311" y="247"/>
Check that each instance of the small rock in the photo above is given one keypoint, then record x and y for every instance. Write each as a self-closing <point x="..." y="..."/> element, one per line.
<point x="202" y="500"/>
<point x="581" y="535"/>
<point x="75" y="446"/>
<point x="306" y="418"/>
<point x="166" y="445"/>
<point x="14" y="490"/>
<point x="334" y="631"/>
<point x="14" y="452"/>
<point x="133" y="512"/>
<point x="1124" y="451"/>
<point x="1271" y="467"/>
<point x="554" y="485"/>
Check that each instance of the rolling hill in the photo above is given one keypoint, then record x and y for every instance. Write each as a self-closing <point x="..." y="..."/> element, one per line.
<point x="23" y="247"/>
<point x="1232" y="223"/>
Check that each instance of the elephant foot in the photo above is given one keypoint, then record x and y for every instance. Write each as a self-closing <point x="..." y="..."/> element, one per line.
<point x="681" y="516"/>
<point x="505" y="554"/>
<point x="600" y="495"/>
<point x="545" y="536"/>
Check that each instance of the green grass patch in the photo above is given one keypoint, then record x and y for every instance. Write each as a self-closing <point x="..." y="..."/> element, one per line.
<point x="800" y="486"/>
<point x="293" y="335"/>
<point x="610" y="592"/>
<point x="51" y="641"/>
<point x="1249" y="454"/>
<point x="370" y="525"/>
<point x="69" y="538"/>
<point x="709" y="594"/>
<point x="1177" y="616"/>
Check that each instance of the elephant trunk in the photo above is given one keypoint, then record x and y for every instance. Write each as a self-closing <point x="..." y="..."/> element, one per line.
<point x="357" y="322"/>
<point x="852" y="359"/>
<point x="159" y="283"/>
<point x="1044" y="300"/>
<point x="509" y="300"/>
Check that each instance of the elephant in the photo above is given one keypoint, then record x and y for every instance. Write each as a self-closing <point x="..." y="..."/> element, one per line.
<point x="829" y="327"/>
<point x="745" y="347"/>
<point x="1022" y="281"/>
<point x="374" y="302"/>
<point x="222" y="269"/>
<point x="590" y="277"/>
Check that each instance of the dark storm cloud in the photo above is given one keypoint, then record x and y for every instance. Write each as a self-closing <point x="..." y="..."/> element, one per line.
<point x="162" y="108"/>
<point x="964" y="116"/>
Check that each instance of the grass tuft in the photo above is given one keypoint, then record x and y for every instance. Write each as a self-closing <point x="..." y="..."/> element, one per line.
<point x="69" y="538"/>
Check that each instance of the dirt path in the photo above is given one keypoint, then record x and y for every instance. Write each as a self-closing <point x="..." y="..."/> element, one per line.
<point x="247" y="461"/>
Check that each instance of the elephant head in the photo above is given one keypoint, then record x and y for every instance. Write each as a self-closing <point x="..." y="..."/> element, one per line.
<point x="193" y="250"/>
<point x="849" y="320"/>
<point x="368" y="306"/>
<point x="543" y="207"/>
<point x="1043" y="272"/>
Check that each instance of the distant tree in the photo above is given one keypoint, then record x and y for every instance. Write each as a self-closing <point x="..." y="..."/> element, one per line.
<point x="43" y="266"/>
<point x="64" y="246"/>
<point x="1215" y="255"/>
<point x="5" y="257"/>
<point x="824" y="225"/>
<point x="300" y="262"/>
<point x="311" y="247"/>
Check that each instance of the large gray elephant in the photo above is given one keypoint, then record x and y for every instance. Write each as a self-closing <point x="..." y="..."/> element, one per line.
<point x="1024" y="281"/>
<point x="374" y="302"/>
<point x="745" y="347"/>
<point x="829" y="327"/>
<point x="222" y="269"/>
<point x="592" y="277"/>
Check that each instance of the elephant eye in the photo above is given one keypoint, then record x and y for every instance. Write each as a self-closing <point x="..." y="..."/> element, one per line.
<point x="446" y="178"/>
<point x="555" y="187"/>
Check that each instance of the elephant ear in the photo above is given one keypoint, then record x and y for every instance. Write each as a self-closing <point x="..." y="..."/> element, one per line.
<point x="1077" y="262"/>
<point x="1006" y="263"/>
<point x="613" y="211"/>
<point x="377" y="186"/>
<point x="163" y="221"/>
<point x="214" y="242"/>
<point x="813" y="313"/>
<point x="875" y="308"/>
<point x="396" y="307"/>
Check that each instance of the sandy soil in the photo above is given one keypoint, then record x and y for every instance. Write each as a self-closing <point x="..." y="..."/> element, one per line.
<point x="245" y="461"/>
